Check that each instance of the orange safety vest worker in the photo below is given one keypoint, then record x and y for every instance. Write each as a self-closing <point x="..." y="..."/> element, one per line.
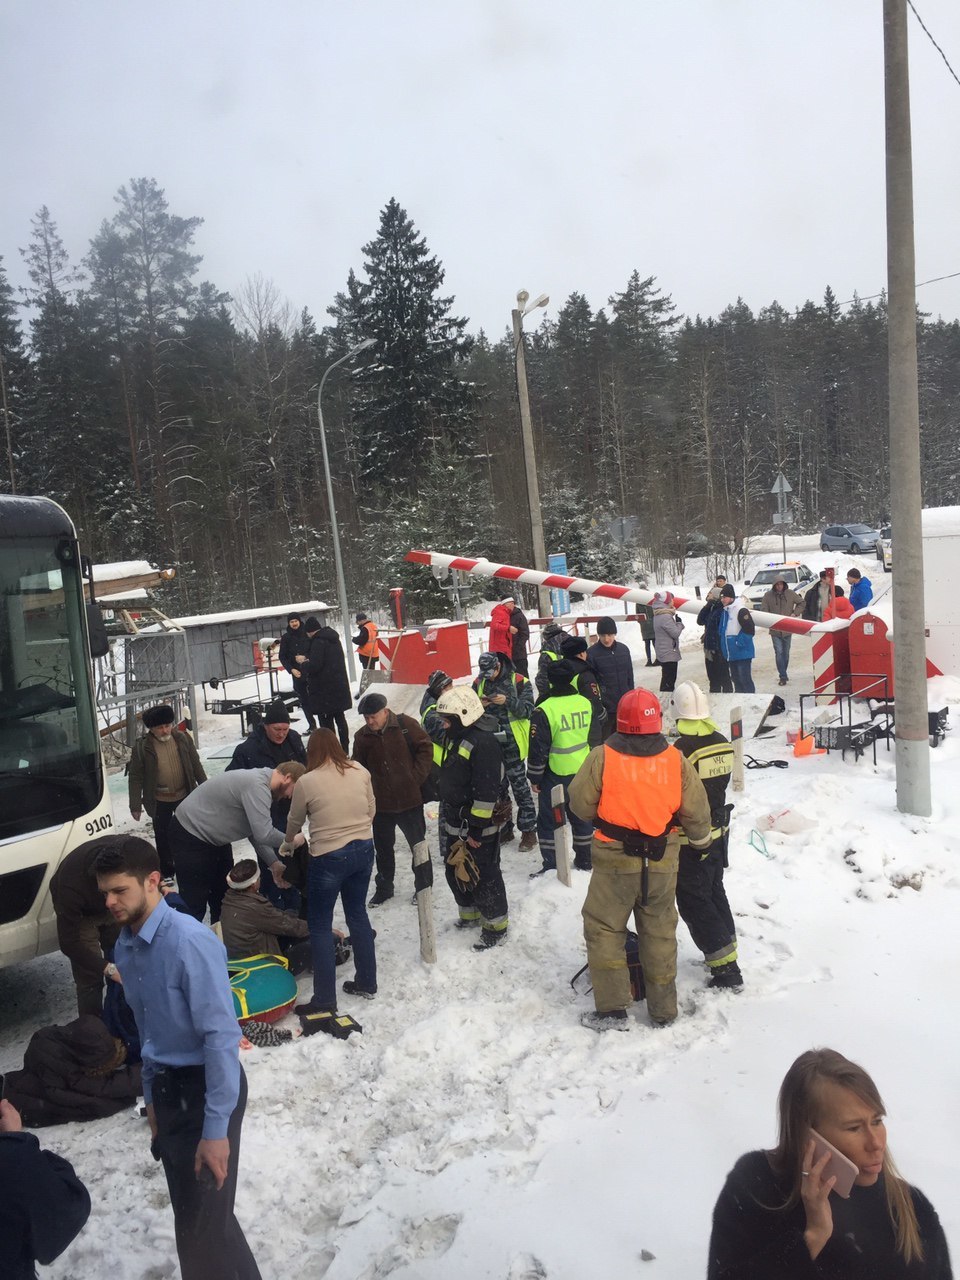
<point x="372" y="648"/>
<point x="640" y="793"/>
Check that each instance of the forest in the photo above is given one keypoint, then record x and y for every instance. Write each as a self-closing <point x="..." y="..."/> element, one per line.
<point x="177" y="423"/>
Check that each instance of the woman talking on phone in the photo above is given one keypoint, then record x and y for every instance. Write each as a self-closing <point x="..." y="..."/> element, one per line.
<point x="782" y="1215"/>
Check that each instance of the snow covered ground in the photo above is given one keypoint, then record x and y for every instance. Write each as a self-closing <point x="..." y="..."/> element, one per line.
<point x="476" y="1130"/>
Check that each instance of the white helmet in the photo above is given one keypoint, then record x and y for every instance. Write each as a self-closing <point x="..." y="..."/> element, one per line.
<point x="462" y="704"/>
<point x="690" y="702"/>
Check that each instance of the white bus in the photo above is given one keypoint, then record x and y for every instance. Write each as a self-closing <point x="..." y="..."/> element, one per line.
<point x="52" y="789"/>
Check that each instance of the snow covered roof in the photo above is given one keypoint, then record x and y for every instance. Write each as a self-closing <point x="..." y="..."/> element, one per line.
<point x="239" y="615"/>
<point x="123" y="569"/>
<point x="125" y="597"/>
<point x="941" y="522"/>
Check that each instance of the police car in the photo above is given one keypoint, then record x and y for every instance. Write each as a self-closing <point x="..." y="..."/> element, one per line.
<point x="798" y="577"/>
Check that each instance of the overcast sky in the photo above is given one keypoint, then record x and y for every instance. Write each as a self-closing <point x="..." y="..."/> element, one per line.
<point x="724" y="146"/>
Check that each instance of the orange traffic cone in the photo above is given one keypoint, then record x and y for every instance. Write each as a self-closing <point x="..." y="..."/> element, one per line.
<point x="804" y="746"/>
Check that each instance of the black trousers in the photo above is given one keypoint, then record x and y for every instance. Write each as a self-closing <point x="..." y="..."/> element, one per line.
<point x="210" y="1242"/>
<point x="335" y="720"/>
<point x="702" y="903"/>
<point x="300" y="689"/>
<point x="668" y="676"/>
<point x="163" y="811"/>
<point x="414" y="827"/>
<point x="718" y="672"/>
<point x="201" y="871"/>
<point x="487" y="901"/>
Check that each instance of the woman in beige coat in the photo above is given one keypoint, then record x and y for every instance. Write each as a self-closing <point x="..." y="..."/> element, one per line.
<point x="336" y="796"/>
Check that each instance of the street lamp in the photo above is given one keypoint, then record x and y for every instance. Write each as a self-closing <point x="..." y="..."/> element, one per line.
<point x="522" y="309"/>
<point x="338" y="559"/>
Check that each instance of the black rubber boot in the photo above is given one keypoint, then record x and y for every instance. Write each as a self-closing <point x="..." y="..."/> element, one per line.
<point x="727" y="977"/>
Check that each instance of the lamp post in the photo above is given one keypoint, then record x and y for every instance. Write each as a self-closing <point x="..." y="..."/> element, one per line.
<point x="338" y="559"/>
<point x="522" y="309"/>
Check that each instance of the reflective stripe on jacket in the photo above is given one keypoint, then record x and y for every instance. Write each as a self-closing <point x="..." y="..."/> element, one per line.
<point x="437" y="749"/>
<point x="371" y="649"/>
<point x="642" y="793"/>
<point x="713" y="761"/>
<point x="569" y="719"/>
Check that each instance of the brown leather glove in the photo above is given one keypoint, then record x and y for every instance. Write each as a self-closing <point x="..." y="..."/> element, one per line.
<point x="464" y="866"/>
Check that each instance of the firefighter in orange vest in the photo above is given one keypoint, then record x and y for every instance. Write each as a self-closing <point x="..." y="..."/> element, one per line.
<point x="366" y="638"/>
<point x="636" y="790"/>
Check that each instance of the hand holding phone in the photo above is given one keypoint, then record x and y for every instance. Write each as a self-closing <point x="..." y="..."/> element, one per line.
<point x="838" y="1166"/>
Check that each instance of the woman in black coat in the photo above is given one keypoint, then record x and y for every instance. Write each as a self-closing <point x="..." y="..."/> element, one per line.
<point x="328" y="689"/>
<point x="778" y="1217"/>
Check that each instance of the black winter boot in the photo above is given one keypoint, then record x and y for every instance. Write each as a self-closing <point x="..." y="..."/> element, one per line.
<point x="382" y="893"/>
<point x="727" y="977"/>
<point x="507" y="834"/>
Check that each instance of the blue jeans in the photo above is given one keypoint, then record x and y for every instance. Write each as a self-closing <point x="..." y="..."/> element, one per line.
<point x="781" y="651"/>
<point x="343" y="873"/>
<point x="740" y="674"/>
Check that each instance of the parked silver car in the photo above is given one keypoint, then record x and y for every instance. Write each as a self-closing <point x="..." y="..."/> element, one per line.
<point x="852" y="538"/>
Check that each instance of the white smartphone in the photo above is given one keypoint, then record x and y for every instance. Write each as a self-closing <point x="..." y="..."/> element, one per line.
<point x="838" y="1166"/>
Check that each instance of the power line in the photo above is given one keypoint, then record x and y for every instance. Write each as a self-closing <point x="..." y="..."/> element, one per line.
<point x="868" y="297"/>
<point x="933" y="42"/>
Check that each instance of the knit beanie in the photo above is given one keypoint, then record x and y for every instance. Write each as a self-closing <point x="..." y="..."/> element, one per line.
<point x="606" y="627"/>
<point x="276" y="713"/>
<point x="562" y="672"/>
<point x="311" y="624"/>
<point x="728" y="592"/>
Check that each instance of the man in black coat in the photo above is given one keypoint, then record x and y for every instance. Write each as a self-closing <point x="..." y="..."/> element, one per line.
<point x="86" y="931"/>
<point x="325" y="669"/>
<point x="291" y="642"/>
<point x="612" y="663"/>
<point x="43" y="1204"/>
<point x="268" y="744"/>
<point x="521" y="638"/>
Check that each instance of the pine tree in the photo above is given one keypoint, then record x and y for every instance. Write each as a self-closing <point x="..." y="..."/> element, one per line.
<point x="407" y="390"/>
<point x="14" y="381"/>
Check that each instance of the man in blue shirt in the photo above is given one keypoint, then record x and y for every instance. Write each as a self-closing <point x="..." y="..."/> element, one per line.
<point x="174" y="974"/>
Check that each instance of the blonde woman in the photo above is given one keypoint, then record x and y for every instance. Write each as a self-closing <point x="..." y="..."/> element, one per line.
<point x="777" y="1217"/>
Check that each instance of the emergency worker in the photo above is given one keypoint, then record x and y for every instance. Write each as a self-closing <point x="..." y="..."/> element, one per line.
<point x="701" y="897"/>
<point x="508" y="697"/>
<point x="368" y="647"/>
<point x="550" y="640"/>
<point x="559" y="744"/>
<point x="471" y="784"/>
<point x="585" y="681"/>
<point x="636" y="789"/>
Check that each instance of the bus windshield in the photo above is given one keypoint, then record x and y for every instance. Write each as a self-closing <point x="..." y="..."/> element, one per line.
<point x="50" y="770"/>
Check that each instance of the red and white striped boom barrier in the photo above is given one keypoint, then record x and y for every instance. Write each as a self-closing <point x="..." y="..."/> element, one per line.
<point x="825" y="634"/>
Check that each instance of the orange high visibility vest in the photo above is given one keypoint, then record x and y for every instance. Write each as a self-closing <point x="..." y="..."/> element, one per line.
<point x="371" y="649"/>
<point x="642" y="793"/>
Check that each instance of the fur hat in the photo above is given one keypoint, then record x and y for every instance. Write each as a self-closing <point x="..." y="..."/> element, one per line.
<point x="570" y="646"/>
<point x="153" y="717"/>
<point x="371" y="703"/>
<point x="276" y="713"/>
<point x="606" y="627"/>
<point x="562" y="672"/>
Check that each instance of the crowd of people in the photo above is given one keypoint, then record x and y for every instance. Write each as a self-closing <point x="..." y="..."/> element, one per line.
<point x="649" y="821"/>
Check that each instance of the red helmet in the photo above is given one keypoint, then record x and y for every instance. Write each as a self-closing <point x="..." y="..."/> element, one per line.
<point x="638" y="711"/>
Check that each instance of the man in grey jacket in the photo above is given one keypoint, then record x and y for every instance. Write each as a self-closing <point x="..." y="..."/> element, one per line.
<point x="234" y="806"/>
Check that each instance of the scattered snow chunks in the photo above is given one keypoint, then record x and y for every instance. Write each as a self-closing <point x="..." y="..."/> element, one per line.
<point x="526" y="1266"/>
<point x="421" y="1239"/>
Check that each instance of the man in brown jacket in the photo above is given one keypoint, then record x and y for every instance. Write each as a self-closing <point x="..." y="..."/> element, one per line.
<point x="398" y="755"/>
<point x="636" y="789"/>
<point x="780" y="599"/>
<point x="86" y="930"/>
<point x="164" y="768"/>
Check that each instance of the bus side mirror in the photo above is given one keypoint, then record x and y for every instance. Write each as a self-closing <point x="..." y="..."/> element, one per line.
<point x="99" y="640"/>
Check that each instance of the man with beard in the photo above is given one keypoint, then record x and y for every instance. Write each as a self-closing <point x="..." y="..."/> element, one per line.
<point x="174" y="971"/>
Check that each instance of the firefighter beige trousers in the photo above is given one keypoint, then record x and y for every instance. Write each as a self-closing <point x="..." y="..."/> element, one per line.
<point x="616" y="893"/>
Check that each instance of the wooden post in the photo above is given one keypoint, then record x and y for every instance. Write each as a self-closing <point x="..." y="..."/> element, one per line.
<point x="423" y="878"/>
<point x="736" y="737"/>
<point x="563" y="839"/>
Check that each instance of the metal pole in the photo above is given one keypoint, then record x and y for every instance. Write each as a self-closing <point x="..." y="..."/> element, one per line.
<point x="337" y="558"/>
<point x="782" y="508"/>
<point x="909" y="661"/>
<point x="530" y="464"/>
